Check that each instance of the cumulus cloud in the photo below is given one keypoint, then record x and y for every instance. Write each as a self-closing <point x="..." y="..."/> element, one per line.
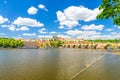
<point x="44" y="36"/>
<point x="61" y="27"/>
<point x="3" y="20"/>
<point x="53" y="32"/>
<point x="109" y="29"/>
<point x="113" y="33"/>
<point x="23" y="28"/>
<point x="4" y="26"/>
<point x="41" y="6"/>
<point x="64" y="21"/>
<point x="71" y="16"/>
<point x="27" y="22"/>
<point x="81" y="33"/>
<point x="11" y="27"/>
<point x="64" y="36"/>
<point x="81" y="13"/>
<point x="42" y="31"/>
<point x="92" y="27"/>
<point x="32" y="10"/>
<point x="28" y="34"/>
<point x="104" y="37"/>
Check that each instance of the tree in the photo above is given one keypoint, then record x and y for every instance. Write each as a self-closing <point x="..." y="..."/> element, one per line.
<point x="10" y="42"/>
<point x="110" y="9"/>
<point x="13" y="44"/>
<point x="5" y="44"/>
<point x="20" y="43"/>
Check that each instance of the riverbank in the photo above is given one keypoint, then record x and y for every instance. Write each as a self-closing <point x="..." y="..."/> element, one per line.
<point x="116" y="52"/>
<point x="113" y="51"/>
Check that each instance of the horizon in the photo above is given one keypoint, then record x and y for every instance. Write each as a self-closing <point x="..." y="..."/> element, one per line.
<point x="67" y="19"/>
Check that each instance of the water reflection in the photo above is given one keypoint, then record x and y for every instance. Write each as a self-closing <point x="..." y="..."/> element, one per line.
<point x="106" y="69"/>
<point x="73" y="60"/>
<point x="45" y="64"/>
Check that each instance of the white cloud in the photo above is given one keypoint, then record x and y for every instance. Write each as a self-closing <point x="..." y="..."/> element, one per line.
<point x="64" y="21"/>
<point x="61" y="27"/>
<point x="3" y="20"/>
<point x="42" y="31"/>
<point x="81" y="13"/>
<point x="41" y="6"/>
<point x="53" y="32"/>
<point x="23" y="28"/>
<point x="32" y="10"/>
<point x="11" y="27"/>
<point x="61" y="16"/>
<point x="92" y="27"/>
<point x="27" y="22"/>
<point x="44" y="36"/>
<point x="69" y="24"/>
<point x="64" y="36"/>
<point x="113" y="33"/>
<point x="109" y="29"/>
<point x="28" y="34"/>
<point x="71" y="15"/>
<point x="104" y="37"/>
<point x="4" y="26"/>
<point x="81" y="33"/>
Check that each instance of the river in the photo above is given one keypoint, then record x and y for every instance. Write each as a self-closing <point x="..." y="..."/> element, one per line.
<point x="58" y="64"/>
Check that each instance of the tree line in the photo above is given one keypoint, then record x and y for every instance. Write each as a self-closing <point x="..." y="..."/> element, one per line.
<point x="105" y="41"/>
<point x="10" y="43"/>
<point x="51" y="43"/>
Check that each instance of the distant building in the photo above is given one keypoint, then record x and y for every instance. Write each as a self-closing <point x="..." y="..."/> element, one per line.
<point x="54" y="38"/>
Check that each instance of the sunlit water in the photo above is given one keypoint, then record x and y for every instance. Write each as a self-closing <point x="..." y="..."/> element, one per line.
<point x="58" y="64"/>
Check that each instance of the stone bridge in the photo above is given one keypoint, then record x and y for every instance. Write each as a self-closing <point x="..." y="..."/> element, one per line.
<point x="90" y="45"/>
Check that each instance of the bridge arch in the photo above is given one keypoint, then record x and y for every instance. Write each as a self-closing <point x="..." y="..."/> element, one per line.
<point x="73" y="46"/>
<point x="95" y="46"/>
<point x="108" y="46"/>
<point x="68" y="46"/>
<point x="79" y="46"/>
<point x="86" y="46"/>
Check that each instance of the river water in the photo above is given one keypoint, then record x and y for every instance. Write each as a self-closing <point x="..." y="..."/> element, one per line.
<point x="58" y="64"/>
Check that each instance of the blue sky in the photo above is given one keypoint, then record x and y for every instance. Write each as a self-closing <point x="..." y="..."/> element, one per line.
<point x="45" y="18"/>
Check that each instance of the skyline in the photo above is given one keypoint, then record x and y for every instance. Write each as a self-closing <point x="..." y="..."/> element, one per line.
<point x="43" y="18"/>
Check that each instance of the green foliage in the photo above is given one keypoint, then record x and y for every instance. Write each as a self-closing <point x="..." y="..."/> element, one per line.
<point x="110" y="9"/>
<point x="4" y="42"/>
<point x="56" y="43"/>
<point x="42" y="46"/>
<point x="47" y="44"/>
<point x="20" y="43"/>
<point x="105" y="41"/>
